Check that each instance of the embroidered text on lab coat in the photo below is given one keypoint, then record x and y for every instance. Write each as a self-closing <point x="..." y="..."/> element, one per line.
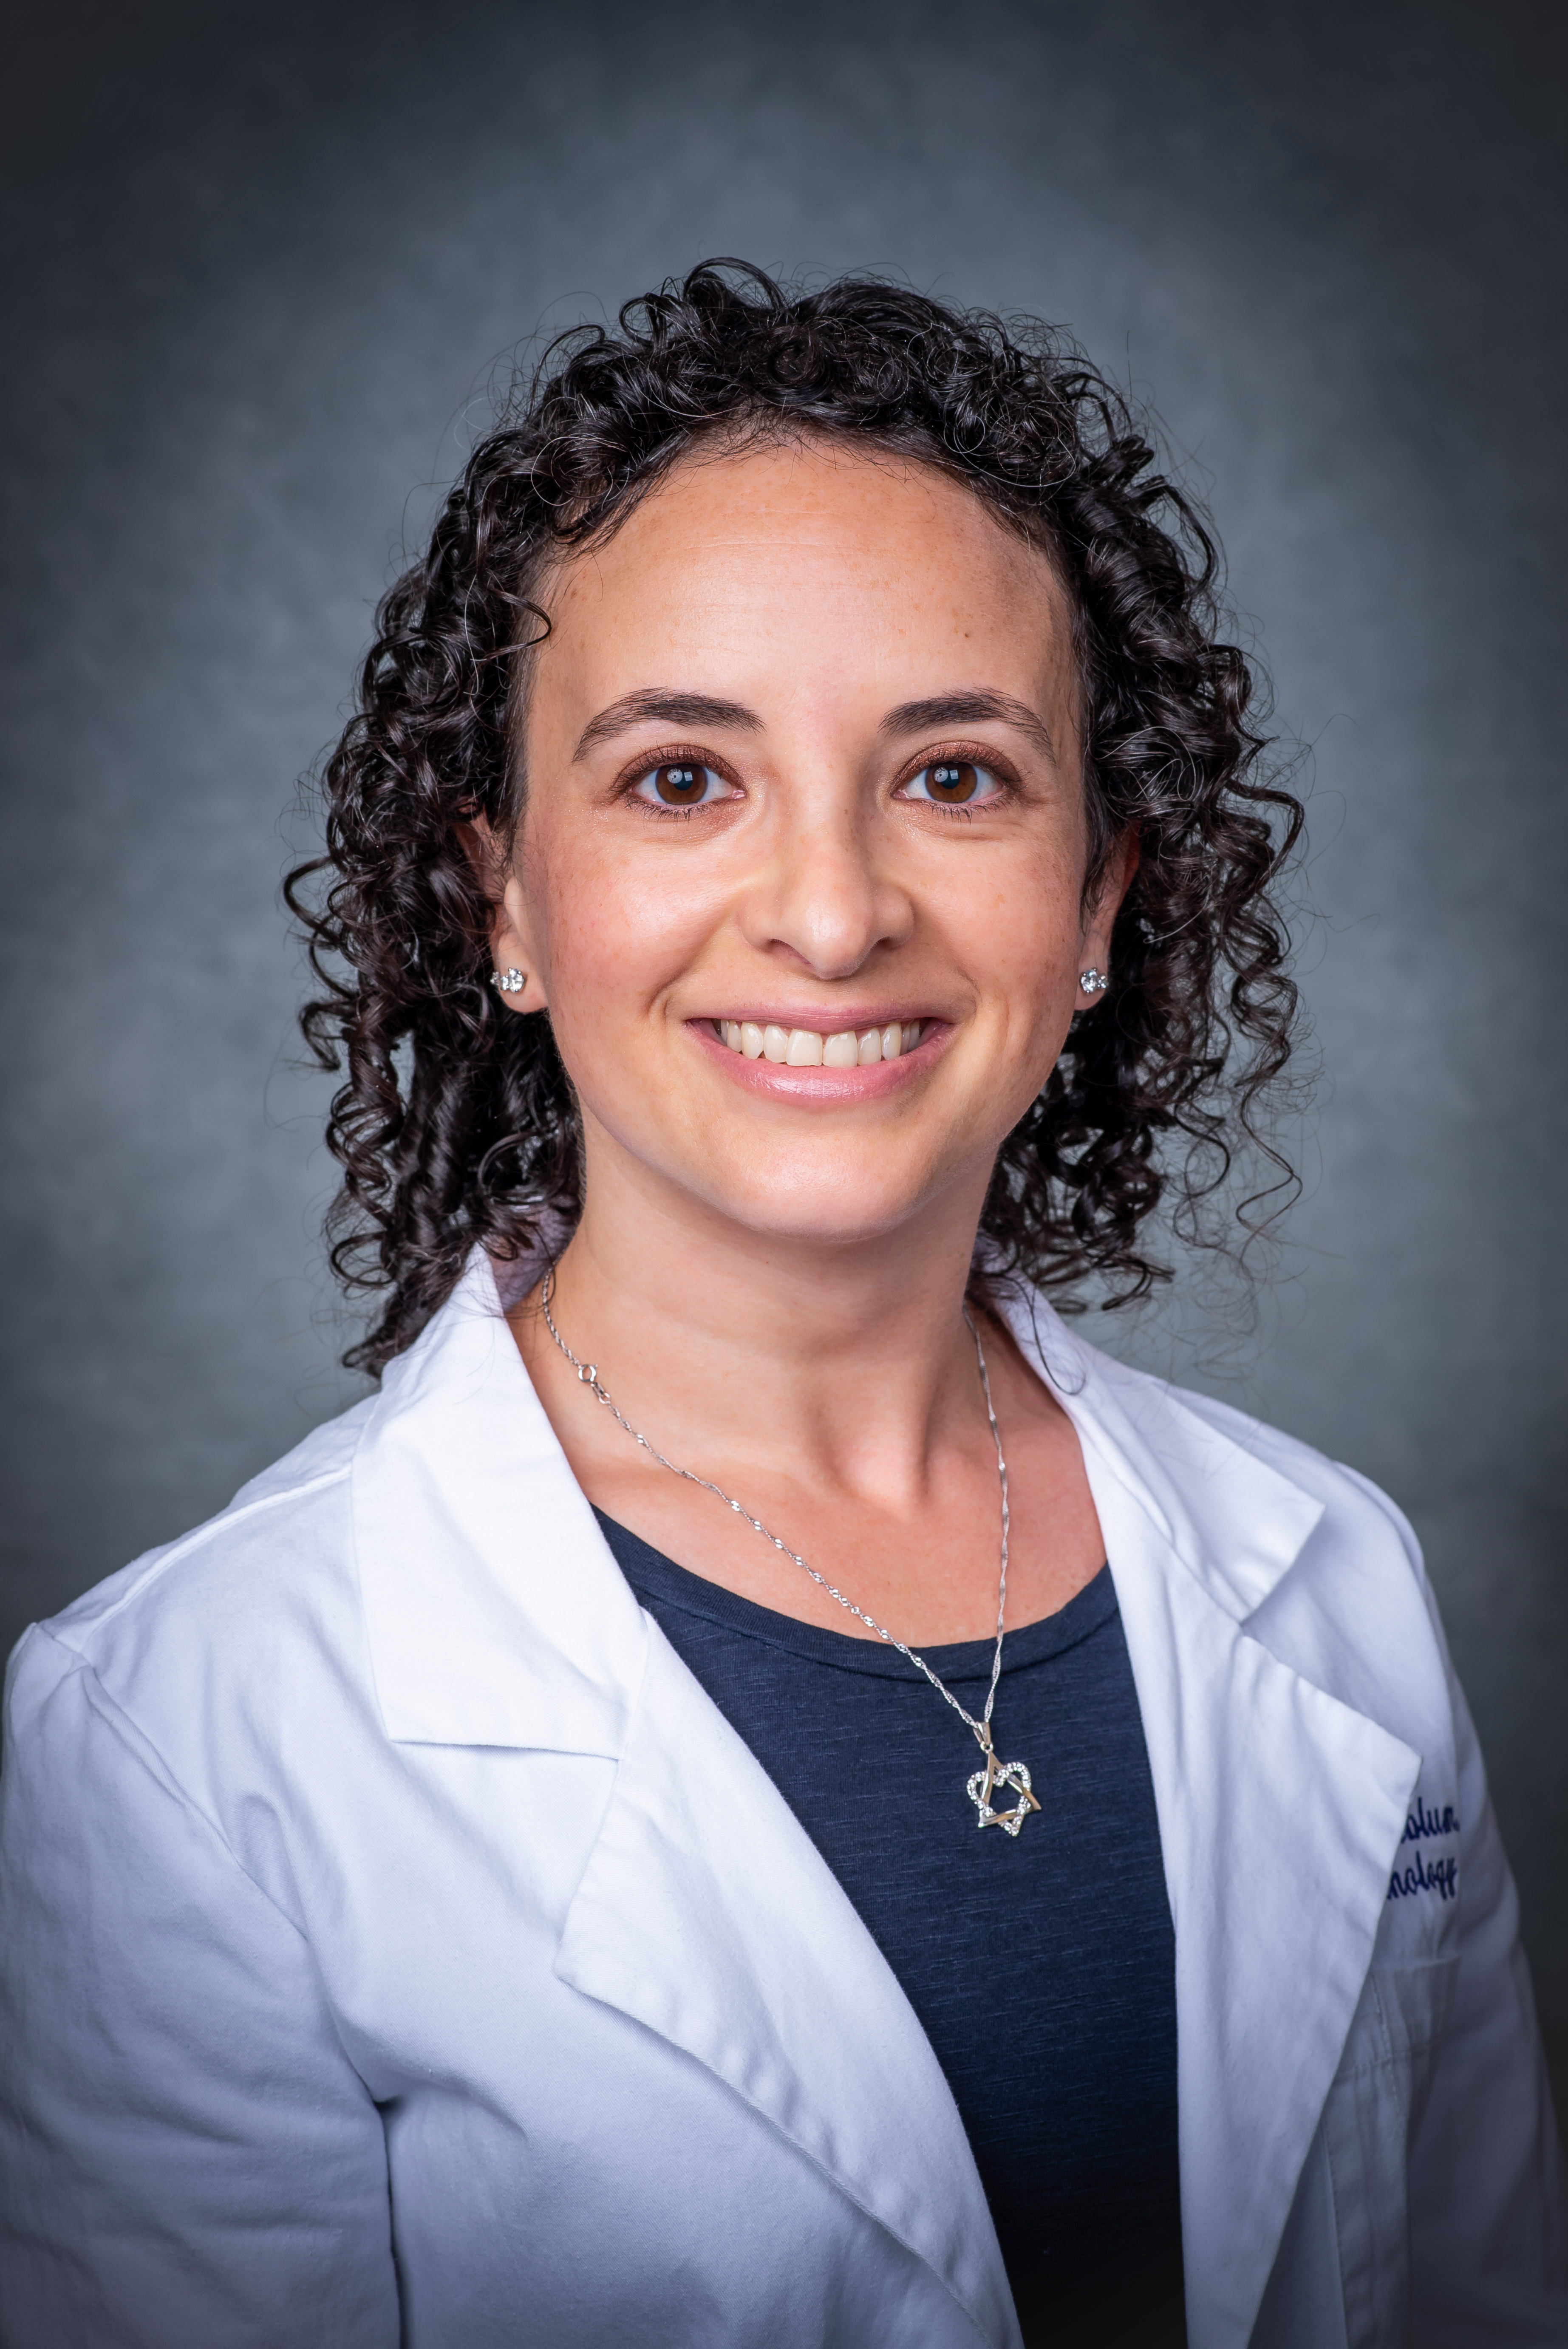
<point x="1441" y="1877"/>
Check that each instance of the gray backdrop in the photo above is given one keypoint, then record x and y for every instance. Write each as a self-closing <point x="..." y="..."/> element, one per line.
<point x="260" y="264"/>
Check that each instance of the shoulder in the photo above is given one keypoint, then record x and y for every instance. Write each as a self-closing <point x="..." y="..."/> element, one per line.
<point x="287" y="1509"/>
<point x="1204" y="1429"/>
<point x="1213" y="1458"/>
<point x="1307" y="1554"/>
<point x="240" y="1620"/>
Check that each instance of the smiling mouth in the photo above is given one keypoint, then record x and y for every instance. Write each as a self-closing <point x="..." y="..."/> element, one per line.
<point x="814" y="1047"/>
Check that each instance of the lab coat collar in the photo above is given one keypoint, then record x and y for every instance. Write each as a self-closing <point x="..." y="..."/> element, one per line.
<point x="497" y="1616"/>
<point x="1280" y="1807"/>
<point x="1237" y="1525"/>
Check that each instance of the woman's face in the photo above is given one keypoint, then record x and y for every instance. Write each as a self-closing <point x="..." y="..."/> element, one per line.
<point x="801" y="871"/>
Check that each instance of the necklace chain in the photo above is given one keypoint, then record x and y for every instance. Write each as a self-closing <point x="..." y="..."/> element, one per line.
<point x="588" y="1374"/>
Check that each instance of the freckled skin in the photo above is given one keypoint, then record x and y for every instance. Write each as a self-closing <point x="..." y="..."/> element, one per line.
<point x="775" y="1282"/>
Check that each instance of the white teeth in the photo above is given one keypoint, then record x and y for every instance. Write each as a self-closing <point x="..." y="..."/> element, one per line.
<point x="809" y="1048"/>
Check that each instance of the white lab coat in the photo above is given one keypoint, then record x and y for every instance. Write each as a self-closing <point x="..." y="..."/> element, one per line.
<point x="400" y="1947"/>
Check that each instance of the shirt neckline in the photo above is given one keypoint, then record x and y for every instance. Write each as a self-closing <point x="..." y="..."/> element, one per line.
<point x="654" y="1577"/>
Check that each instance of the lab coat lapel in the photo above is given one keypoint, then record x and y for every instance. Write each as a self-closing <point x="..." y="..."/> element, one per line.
<point x="708" y="1914"/>
<point x="497" y="1616"/>
<point x="1280" y="1810"/>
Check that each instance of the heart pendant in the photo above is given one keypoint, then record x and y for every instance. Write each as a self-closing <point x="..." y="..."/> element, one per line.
<point x="983" y="1784"/>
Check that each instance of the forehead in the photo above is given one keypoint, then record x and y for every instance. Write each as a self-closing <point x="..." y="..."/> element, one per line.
<point x="810" y="560"/>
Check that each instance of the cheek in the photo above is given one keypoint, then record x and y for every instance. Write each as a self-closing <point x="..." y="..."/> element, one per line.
<point x="1016" y="924"/>
<point x="618" y="929"/>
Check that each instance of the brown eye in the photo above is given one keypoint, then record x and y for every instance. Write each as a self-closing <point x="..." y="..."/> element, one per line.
<point x="680" y="783"/>
<point x="952" y="782"/>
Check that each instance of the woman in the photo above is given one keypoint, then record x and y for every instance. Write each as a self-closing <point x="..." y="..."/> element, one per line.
<point x="759" y="1791"/>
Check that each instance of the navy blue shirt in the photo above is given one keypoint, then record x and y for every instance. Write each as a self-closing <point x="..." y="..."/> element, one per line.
<point x="1043" y="1968"/>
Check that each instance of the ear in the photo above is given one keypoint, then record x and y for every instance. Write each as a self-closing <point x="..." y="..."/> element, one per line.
<point x="1114" y="882"/>
<point x="511" y="929"/>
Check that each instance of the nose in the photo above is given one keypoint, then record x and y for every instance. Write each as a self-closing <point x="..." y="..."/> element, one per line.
<point x="825" y="899"/>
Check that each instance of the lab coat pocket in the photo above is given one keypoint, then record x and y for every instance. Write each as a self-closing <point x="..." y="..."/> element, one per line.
<point x="1370" y="2118"/>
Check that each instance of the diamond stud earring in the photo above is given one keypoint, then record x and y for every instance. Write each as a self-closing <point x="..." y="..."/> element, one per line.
<point x="509" y="982"/>
<point x="1094" y="982"/>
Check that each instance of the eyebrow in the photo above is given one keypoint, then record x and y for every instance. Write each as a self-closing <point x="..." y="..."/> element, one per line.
<point x="976" y="709"/>
<point x="665" y="709"/>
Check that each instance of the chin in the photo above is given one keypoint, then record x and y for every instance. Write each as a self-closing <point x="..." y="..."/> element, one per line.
<point x="813" y="1205"/>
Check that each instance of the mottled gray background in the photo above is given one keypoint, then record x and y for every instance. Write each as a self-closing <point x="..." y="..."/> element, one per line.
<point x="259" y="265"/>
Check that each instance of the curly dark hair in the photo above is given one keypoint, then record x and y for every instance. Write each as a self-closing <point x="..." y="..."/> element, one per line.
<point x="457" y="1123"/>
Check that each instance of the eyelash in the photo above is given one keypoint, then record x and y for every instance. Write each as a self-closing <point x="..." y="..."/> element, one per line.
<point x="963" y="755"/>
<point x="972" y="754"/>
<point x="680" y="755"/>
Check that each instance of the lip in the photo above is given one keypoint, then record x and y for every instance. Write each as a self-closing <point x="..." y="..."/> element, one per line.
<point x="826" y="1087"/>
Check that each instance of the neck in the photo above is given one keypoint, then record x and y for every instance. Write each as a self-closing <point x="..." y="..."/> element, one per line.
<point x="838" y="1358"/>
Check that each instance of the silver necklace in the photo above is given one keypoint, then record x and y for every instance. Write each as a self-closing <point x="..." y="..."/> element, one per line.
<point x="1014" y="1776"/>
